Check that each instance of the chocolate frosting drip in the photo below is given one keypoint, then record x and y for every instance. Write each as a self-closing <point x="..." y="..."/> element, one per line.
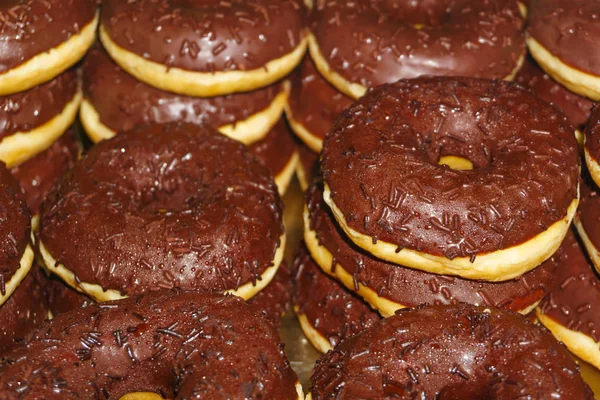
<point x="31" y="27"/>
<point x="24" y="111"/>
<point x="381" y="163"/>
<point x="123" y="102"/>
<point x="592" y="134"/>
<point x="450" y="352"/>
<point x="570" y="30"/>
<point x="177" y="344"/>
<point x="63" y="298"/>
<point x="574" y="302"/>
<point x="276" y="149"/>
<point x="411" y="287"/>
<point x="25" y="309"/>
<point x="588" y="212"/>
<point x="207" y="36"/>
<point x="381" y="44"/>
<point x="576" y="108"/>
<point x="313" y="101"/>
<point x="163" y="206"/>
<point x="274" y="300"/>
<point x="38" y="174"/>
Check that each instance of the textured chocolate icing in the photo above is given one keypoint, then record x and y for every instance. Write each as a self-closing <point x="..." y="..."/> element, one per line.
<point x="592" y="135"/>
<point x="31" y="27"/>
<point x="24" y="111"/>
<point x="570" y="30"/>
<point x="574" y="302"/>
<point x="331" y="309"/>
<point x="381" y="163"/>
<point x="207" y="36"/>
<point x="177" y="344"/>
<point x="123" y="102"/>
<point x="411" y="287"/>
<point x="38" y="174"/>
<point x="276" y="149"/>
<point x="161" y="206"/>
<point x="576" y="108"/>
<point x="588" y="212"/>
<point x="450" y="352"/>
<point x="274" y="300"/>
<point x="375" y="41"/>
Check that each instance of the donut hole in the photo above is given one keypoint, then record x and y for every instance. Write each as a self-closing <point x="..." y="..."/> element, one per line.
<point x="457" y="163"/>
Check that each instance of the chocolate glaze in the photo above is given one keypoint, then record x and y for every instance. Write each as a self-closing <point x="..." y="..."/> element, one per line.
<point x="331" y="309"/>
<point x="38" y="174"/>
<point x="588" y="212"/>
<point x="592" y="135"/>
<point x="177" y="344"/>
<point x="123" y="102"/>
<point x="206" y="36"/>
<point x="574" y="302"/>
<point x="410" y="287"/>
<point x="374" y="42"/>
<point x="309" y="160"/>
<point x="31" y="27"/>
<point x="576" y="108"/>
<point x="63" y="298"/>
<point x="450" y="352"/>
<point x="525" y="157"/>
<point x="276" y="149"/>
<point x="173" y="205"/>
<point x="24" y="111"/>
<point x="274" y="300"/>
<point x="570" y="30"/>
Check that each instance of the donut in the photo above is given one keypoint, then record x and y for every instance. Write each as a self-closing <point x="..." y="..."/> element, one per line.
<point x="115" y="101"/>
<point x="572" y="309"/>
<point x="388" y="287"/>
<point x="591" y="148"/>
<point x="307" y="167"/>
<point x="449" y="352"/>
<point x="327" y="312"/>
<point x="41" y="39"/>
<point x="384" y="41"/>
<point x="495" y="221"/>
<point x="586" y="219"/>
<point x="562" y="37"/>
<point x="313" y="105"/>
<point x="205" y="49"/>
<point x="274" y="301"/>
<point x="161" y="206"/>
<point x="175" y="344"/>
<point x="31" y="121"/>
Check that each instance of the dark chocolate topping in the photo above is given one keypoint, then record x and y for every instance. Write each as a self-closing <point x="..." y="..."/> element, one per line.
<point x="31" y="27"/>
<point x="206" y="36"/>
<point x="381" y="163"/>
<point x="309" y="160"/>
<point x="574" y="302"/>
<point x="63" y="298"/>
<point x="450" y="352"/>
<point x="38" y="174"/>
<point x="276" y="149"/>
<point x="592" y="135"/>
<point x="588" y="212"/>
<point x="410" y="287"/>
<point x="570" y="30"/>
<point x="274" y="300"/>
<point x="123" y="102"/>
<point x="375" y="41"/>
<point x="331" y="309"/>
<point x="173" y="205"/>
<point x="179" y="345"/>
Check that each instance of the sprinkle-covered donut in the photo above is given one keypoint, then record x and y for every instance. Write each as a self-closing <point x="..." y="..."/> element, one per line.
<point x="587" y="219"/>
<point x="42" y="38"/>
<point x="592" y="145"/>
<point x="206" y="48"/>
<point x="449" y="352"/>
<point x="358" y="45"/>
<point x="389" y="287"/>
<point x="115" y="101"/>
<point x="161" y="206"/>
<point x="388" y="187"/>
<point x="175" y="344"/>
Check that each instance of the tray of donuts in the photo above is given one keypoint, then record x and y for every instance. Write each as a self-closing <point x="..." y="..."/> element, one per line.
<point x="391" y="219"/>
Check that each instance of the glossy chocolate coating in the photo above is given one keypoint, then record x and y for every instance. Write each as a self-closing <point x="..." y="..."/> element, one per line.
<point x="374" y="41"/>
<point x="173" y="205"/>
<point x="410" y="287"/>
<point x="207" y="36"/>
<point x="331" y="309"/>
<point x="274" y="300"/>
<point x="381" y="163"/>
<point x="38" y="174"/>
<point x="276" y="149"/>
<point x="450" y="352"/>
<point x="588" y="212"/>
<point x="63" y="298"/>
<point x="123" y="102"/>
<point x="570" y="30"/>
<point x="592" y="135"/>
<point x="177" y="344"/>
<point x="574" y="302"/>
<point x="576" y="108"/>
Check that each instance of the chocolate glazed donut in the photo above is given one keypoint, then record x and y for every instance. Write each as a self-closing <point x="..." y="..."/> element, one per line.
<point x="176" y="344"/>
<point x="389" y="192"/>
<point x="450" y="352"/>
<point x="173" y="205"/>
